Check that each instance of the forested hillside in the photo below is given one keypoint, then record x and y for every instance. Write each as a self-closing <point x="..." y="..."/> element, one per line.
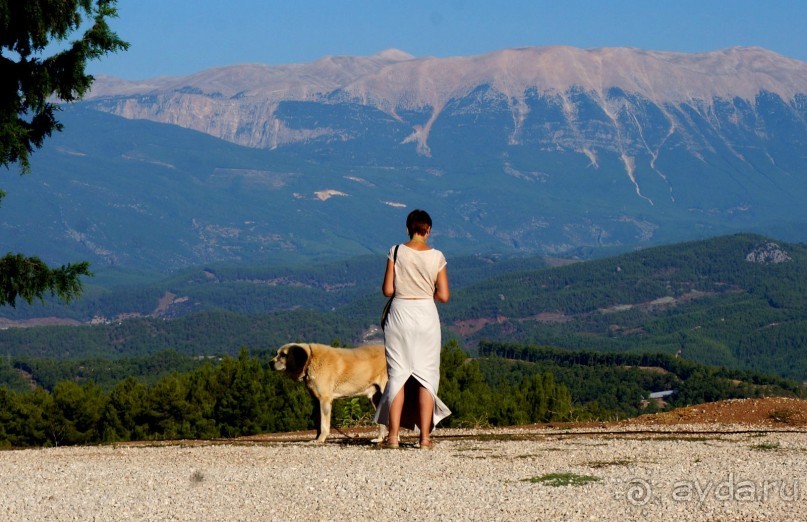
<point x="246" y="288"/>
<point x="699" y="321"/>
<point x="735" y="301"/>
<point x="609" y="383"/>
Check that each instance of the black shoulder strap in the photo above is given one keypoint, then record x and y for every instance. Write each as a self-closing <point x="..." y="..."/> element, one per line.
<point x="394" y="261"/>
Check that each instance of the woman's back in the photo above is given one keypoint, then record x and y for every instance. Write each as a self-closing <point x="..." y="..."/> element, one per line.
<point x="416" y="272"/>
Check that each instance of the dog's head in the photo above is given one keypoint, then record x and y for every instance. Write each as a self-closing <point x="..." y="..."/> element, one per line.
<point x="292" y="358"/>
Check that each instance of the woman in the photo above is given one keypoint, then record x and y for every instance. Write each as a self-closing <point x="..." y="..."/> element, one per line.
<point x="417" y="277"/>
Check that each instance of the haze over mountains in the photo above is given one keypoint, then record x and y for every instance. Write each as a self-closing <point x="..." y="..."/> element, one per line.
<point x="551" y="150"/>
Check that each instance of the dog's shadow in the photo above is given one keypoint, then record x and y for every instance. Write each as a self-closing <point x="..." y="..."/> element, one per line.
<point x="367" y="443"/>
<point x="353" y="441"/>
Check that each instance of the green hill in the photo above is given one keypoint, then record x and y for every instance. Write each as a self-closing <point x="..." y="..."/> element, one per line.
<point x="735" y="301"/>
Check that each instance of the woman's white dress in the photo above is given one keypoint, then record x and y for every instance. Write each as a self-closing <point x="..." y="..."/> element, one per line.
<point x="412" y="341"/>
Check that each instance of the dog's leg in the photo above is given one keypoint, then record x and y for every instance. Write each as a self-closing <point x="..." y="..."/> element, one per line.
<point x="324" y="420"/>
<point x="382" y="434"/>
<point x="316" y="417"/>
<point x="375" y="398"/>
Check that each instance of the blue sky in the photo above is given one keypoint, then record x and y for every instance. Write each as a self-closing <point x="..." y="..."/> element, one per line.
<point x="180" y="37"/>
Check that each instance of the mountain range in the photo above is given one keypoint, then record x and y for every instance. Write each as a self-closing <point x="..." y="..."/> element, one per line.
<point x="554" y="151"/>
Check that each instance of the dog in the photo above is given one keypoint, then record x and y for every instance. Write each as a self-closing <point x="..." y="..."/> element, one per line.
<point x="331" y="373"/>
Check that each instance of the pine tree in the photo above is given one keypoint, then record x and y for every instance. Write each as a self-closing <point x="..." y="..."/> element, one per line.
<point x="29" y="83"/>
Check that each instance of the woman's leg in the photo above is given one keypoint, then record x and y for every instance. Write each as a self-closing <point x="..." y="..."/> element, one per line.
<point x="426" y="404"/>
<point x="395" y="411"/>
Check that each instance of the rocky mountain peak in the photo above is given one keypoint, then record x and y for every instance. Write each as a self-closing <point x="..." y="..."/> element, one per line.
<point x="230" y="102"/>
<point x="768" y="253"/>
<point x="623" y="101"/>
<point x="394" y="55"/>
<point x="397" y="77"/>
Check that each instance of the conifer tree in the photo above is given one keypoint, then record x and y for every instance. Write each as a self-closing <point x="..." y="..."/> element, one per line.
<point x="30" y="84"/>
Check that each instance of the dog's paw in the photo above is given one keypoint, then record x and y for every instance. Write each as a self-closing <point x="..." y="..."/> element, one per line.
<point x="382" y="434"/>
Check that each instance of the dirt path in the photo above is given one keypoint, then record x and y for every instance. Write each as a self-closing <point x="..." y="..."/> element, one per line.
<point x="734" y="460"/>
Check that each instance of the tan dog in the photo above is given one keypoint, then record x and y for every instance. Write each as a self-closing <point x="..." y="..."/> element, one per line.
<point x="331" y="373"/>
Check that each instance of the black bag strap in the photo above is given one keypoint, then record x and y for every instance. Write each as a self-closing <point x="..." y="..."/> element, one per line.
<point x="394" y="261"/>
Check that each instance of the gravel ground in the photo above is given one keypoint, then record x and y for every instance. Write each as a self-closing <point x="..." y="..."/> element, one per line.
<point x="686" y="472"/>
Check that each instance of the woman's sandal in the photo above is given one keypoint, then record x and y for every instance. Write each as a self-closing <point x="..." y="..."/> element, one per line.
<point x="428" y="446"/>
<point x="386" y="444"/>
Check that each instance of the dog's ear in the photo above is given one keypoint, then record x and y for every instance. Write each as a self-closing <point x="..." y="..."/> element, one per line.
<point x="297" y="359"/>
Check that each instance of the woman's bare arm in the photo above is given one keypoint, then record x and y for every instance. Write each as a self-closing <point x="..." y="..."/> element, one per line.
<point x="441" y="292"/>
<point x="388" y="287"/>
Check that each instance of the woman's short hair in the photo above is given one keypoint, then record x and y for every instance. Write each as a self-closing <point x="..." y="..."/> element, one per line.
<point x="418" y="221"/>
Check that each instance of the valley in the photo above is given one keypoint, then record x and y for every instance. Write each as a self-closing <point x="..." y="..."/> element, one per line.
<point x="555" y="152"/>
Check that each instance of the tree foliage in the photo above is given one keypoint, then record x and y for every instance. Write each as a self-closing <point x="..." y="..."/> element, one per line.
<point x="30" y="81"/>
<point x="237" y="396"/>
<point x="616" y="385"/>
<point x="30" y="278"/>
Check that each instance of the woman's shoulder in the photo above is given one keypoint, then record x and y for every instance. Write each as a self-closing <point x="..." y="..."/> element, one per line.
<point x="393" y="251"/>
<point x="438" y="256"/>
<point x="429" y="251"/>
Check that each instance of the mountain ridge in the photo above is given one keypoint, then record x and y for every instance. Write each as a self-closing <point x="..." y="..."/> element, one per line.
<point x="392" y="81"/>
<point x="281" y="163"/>
<point x="550" y="68"/>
